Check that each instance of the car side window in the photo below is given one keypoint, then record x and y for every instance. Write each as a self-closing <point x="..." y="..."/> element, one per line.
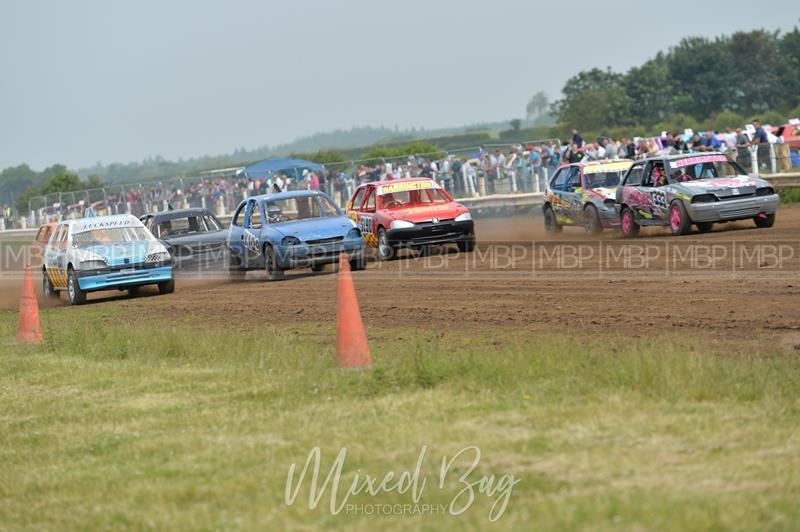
<point x="634" y="178"/>
<point x="254" y="217"/>
<point x="557" y="183"/>
<point x="369" y="204"/>
<point x="62" y="238"/>
<point x="237" y="218"/>
<point x="574" y="179"/>
<point x="211" y="223"/>
<point x="356" y="202"/>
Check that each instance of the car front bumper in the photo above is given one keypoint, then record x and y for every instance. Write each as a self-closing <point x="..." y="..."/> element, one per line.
<point x="727" y="210"/>
<point x="111" y="278"/>
<point x="306" y="255"/>
<point x="430" y="233"/>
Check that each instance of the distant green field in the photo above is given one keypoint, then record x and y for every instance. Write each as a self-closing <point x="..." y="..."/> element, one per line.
<point x="107" y="426"/>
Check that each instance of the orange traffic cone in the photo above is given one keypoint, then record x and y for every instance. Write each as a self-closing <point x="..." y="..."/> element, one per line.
<point x="29" y="329"/>
<point x="351" y="340"/>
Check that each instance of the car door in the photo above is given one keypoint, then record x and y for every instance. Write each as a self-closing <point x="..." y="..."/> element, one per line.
<point x="57" y="260"/>
<point x="630" y="194"/>
<point x="365" y="213"/>
<point x="572" y="195"/>
<point x="556" y="191"/>
<point x="236" y="233"/>
<point x="253" y="217"/>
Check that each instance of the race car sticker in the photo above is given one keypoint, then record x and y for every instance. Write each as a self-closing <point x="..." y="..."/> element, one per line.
<point x="83" y="226"/>
<point x="658" y="198"/>
<point x="689" y="161"/>
<point x="251" y="243"/>
<point x="403" y="187"/>
<point x="365" y="224"/>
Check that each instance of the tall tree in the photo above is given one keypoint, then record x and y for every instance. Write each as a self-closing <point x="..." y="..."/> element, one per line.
<point x="537" y="105"/>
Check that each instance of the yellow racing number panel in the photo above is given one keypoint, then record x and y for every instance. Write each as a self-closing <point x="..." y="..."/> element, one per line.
<point x="616" y="166"/>
<point x="58" y="278"/>
<point x="365" y="224"/>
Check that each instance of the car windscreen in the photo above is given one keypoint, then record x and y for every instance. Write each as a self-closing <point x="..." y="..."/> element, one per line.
<point x="111" y="235"/>
<point x="186" y="225"/>
<point x="703" y="167"/>
<point x="409" y="198"/>
<point x="302" y="208"/>
<point x="603" y="179"/>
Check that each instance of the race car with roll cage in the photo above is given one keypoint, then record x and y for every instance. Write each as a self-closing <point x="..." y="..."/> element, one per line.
<point x="582" y="194"/>
<point x="104" y="253"/>
<point x="701" y="189"/>
<point x="194" y="237"/>
<point x="413" y="213"/>
<point x="281" y="231"/>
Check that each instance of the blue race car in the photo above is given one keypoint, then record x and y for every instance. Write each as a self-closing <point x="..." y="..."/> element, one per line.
<point x="302" y="229"/>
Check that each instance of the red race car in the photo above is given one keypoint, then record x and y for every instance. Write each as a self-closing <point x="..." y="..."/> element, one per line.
<point x="409" y="213"/>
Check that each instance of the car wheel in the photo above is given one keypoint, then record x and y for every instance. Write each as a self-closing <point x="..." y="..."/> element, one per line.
<point x="235" y="271"/>
<point x="704" y="227"/>
<point x="679" y="222"/>
<point x="628" y="224"/>
<point x="316" y="268"/>
<point x="271" y="264"/>
<point x="47" y="288"/>
<point x="468" y="245"/>
<point x="76" y="295"/>
<point x="166" y="287"/>
<point x="358" y="263"/>
<point x="763" y="220"/>
<point x="591" y="220"/>
<point x="385" y="250"/>
<point x="550" y="225"/>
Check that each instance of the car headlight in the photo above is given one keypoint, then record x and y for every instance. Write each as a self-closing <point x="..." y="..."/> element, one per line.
<point x="290" y="241"/>
<point x="401" y="224"/>
<point x="609" y="204"/>
<point x="704" y="198"/>
<point x="160" y="256"/>
<point x="463" y="217"/>
<point x="93" y="264"/>
<point x="355" y="232"/>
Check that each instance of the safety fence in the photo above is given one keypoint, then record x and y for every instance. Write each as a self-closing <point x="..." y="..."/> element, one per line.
<point x="464" y="172"/>
<point x="471" y="172"/>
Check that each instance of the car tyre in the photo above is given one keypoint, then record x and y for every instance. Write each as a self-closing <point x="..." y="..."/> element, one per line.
<point x="628" y="224"/>
<point x="468" y="245"/>
<point x="592" y="222"/>
<point x="679" y="221"/>
<point x="705" y="227"/>
<point x="166" y="287"/>
<point x="76" y="295"/>
<point x="551" y="227"/>
<point x="385" y="250"/>
<point x="271" y="267"/>
<point x="235" y="271"/>
<point x="358" y="263"/>
<point x="47" y="288"/>
<point x="767" y="221"/>
<point x="317" y="268"/>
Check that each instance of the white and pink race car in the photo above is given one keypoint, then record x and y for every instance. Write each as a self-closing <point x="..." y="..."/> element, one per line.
<point x="701" y="189"/>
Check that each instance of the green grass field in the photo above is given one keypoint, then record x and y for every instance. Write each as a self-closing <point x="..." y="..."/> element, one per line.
<point x="110" y="426"/>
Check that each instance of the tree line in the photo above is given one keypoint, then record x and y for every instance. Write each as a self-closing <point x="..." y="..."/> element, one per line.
<point x="739" y="76"/>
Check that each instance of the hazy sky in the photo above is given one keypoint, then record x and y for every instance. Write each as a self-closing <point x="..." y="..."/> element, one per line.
<point x="105" y="80"/>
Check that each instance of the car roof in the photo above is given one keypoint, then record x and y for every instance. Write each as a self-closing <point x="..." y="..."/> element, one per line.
<point x="80" y="224"/>
<point x="397" y="181"/>
<point x="286" y="195"/>
<point x="178" y="213"/>
<point x="677" y="156"/>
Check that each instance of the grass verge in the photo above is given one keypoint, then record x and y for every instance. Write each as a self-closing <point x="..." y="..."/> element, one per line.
<point x="178" y="428"/>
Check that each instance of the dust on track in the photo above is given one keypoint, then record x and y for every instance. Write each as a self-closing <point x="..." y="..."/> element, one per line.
<point x="534" y="291"/>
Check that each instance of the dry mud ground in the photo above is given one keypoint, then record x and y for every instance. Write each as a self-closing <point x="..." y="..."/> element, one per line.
<point x="734" y="284"/>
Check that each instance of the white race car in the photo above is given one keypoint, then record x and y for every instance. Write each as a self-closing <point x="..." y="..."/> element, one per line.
<point x="104" y="253"/>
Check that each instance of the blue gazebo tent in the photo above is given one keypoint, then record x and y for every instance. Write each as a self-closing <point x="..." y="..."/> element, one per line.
<point x="289" y="167"/>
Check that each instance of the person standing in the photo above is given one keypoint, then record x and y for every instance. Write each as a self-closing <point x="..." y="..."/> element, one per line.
<point x="576" y="138"/>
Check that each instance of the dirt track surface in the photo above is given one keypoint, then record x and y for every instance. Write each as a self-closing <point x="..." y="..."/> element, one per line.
<point x="734" y="283"/>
